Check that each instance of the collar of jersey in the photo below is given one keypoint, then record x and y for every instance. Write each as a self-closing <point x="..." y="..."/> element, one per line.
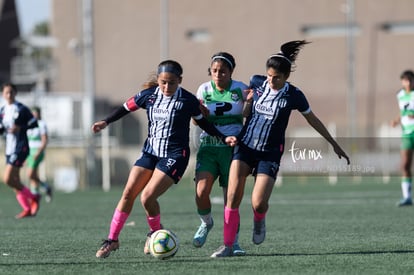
<point x="225" y="90"/>
<point x="284" y="89"/>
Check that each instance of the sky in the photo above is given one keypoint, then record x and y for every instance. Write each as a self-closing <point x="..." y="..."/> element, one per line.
<point x="32" y="12"/>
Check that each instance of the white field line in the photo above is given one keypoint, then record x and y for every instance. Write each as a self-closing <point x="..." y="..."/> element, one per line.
<point x="346" y="198"/>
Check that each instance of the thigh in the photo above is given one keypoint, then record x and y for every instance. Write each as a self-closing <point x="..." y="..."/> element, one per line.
<point x="157" y="185"/>
<point x="406" y="157"/>
<point x="12" y="176"/>
<point x="137" y="180"/>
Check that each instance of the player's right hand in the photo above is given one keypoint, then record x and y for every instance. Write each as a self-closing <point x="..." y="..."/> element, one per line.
<point x="98" y="126"/>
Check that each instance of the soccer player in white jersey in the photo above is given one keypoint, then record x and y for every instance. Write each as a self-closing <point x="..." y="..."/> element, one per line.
<point x="223" y="99"/>
<point x="15" y="120"/>
<point x="38" y="139"/>
<point x="165" y="153"/>
<point x="405" y="98"/>
<point x="261" y="143"/>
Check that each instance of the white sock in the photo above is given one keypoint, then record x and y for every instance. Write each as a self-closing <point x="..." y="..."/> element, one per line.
<point x="406" y="189"/>
<point x="207" y="219"/>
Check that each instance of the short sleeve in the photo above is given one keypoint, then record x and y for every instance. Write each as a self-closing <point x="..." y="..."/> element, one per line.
<point x="257" y="81"/>
<point x="200" y="93"/>
<point x="302" y="104"/>
<point x="139" y="100"/>
<point x="196" y="112"/>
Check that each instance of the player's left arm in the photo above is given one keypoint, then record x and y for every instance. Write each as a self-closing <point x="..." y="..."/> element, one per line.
<point x="315" y="122"/>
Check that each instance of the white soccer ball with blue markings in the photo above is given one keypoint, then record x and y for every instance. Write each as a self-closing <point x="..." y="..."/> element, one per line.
<point x="163" y="244"/>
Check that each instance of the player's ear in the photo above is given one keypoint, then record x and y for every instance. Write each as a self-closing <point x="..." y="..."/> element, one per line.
<point x="180" y="79"/>
<point x="287" y="75"/>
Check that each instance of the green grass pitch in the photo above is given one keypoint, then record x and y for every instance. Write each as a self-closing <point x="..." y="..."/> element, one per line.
<point x="312" y="228"/>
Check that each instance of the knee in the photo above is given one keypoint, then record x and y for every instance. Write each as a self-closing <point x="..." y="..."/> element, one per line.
<point x="6" y="179"/>
<point x="128" y="196"/>
<point x="260" y="206"/>
<point x="406" y="167"/>
<point x="202" y="194"/>
<point x="146" y="199"/>
<point x="233" y="199"/>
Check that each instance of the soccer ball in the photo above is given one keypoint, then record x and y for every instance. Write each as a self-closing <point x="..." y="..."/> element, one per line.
<point x="163" y="244"/>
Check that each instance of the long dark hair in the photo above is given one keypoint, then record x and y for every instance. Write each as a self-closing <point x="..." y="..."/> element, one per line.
<point x="283" y="61"/>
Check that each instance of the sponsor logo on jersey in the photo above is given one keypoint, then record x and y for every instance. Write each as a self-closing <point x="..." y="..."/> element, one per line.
<point x="263" y="109"/>
<point x="235" y="96"/>
<point x="160" y="114"/>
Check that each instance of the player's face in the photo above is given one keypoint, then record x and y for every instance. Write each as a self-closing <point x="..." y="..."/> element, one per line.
<point x="220" y="74"/>
<point x="168" y="83"/>
<point x="276" y="79"/>
<point x="406" y="84"/>
<point x="8" y="94"/>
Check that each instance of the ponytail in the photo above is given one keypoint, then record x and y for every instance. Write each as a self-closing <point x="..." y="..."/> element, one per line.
<point x="284" y="60"/>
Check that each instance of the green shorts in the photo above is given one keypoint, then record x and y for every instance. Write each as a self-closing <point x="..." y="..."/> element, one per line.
<point x="31" y="162"/>
<point x="216" y="160"/>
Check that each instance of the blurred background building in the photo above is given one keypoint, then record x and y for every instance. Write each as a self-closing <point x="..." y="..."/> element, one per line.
<point x="94" y="54"/>
<point x="9" y="29"/>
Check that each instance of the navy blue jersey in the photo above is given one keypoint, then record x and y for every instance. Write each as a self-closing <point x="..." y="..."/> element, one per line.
<point x="19" y="115"/>
<point x="168" y="119"/>
<point x="265" y="127"/>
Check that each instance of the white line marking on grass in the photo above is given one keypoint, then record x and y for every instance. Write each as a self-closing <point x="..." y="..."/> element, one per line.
<point x="346" y="198"/>
<point x="326" y="202"/>
<point x="217" y="200"/>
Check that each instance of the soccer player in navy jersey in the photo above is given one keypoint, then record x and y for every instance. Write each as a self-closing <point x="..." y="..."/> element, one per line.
<point x="261" y="142"/>
<point x="15" y="120"/>
<point x="165" y="153"/>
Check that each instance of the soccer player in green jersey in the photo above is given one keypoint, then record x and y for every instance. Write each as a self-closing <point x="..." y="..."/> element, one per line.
<point x="405" y="99"/>
<point x="38" y="139"/>
<point x="223" y="100"/>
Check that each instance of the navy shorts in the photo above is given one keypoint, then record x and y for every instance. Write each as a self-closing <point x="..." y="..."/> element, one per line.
<point x="17" y="159"/>
<point x="261" y="162"/>
<point x="174" y="165"/>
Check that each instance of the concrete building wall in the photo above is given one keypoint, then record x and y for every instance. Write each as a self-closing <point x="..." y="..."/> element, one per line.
<point x="128" y="48"/>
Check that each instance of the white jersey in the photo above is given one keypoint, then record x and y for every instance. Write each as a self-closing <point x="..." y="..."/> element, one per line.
<point x="35" y="135"/>
<point x="225" y="109"/>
